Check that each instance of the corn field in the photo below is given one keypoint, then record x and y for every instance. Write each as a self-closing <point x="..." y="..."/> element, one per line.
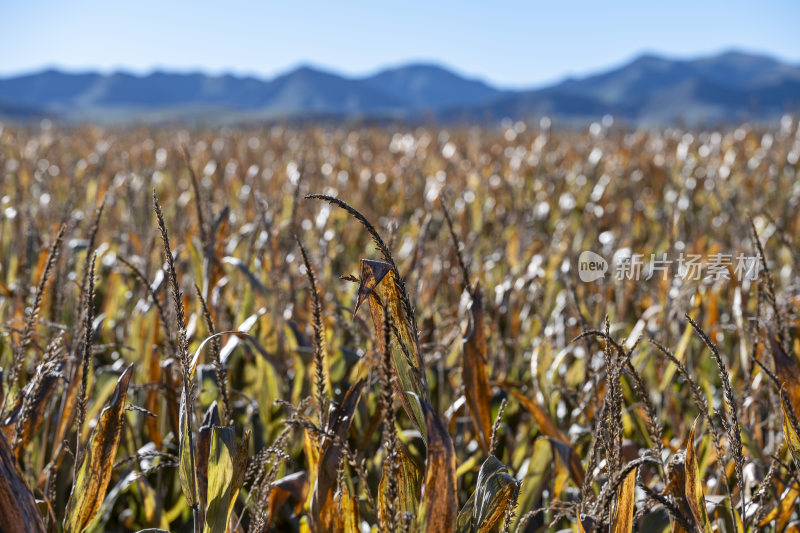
<point x="354" y="328"/>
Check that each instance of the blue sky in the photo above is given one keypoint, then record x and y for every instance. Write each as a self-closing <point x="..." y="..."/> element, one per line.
<point x="511" y="44"/>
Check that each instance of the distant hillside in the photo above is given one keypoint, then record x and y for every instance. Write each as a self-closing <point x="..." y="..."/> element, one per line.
<point x="430" y="87"/>
<point x="649" y="89"/>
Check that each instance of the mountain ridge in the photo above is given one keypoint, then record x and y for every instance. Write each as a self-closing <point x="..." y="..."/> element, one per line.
<point x="650" y="88"/>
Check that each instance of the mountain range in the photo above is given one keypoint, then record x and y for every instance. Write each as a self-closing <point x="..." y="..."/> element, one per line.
<point x="729" y="87"/>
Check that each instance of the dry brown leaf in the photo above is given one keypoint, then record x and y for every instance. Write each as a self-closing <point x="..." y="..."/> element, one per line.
<point x="210" y="420"/>
<point x="339" y="419"/>
<point x="782" y="512"/>
<point x="789" y="430"/>
<point x="94" y="474"/>
<point x="438" y="505"/>
<point x="408" y="485"/>
<point x="18" y="510"/>
<point x="345" y="512"/>
<point x="294" y="485"/>
<point x="543" y="420"/>
<point x="475" y="371"/>
<point x="676" y="487"/>
<point x="379" y="286"/>
<point x="35" y="409"/>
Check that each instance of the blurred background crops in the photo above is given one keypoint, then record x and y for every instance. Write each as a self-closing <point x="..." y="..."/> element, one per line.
<point x="525" y="200"/>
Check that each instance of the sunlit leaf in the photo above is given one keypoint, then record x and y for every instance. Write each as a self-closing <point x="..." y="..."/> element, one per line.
<point x="543" y="420"/>
<point x="680" y="351"/>
<point x="98" y="461"/>
<point x="409" y="480"/>
<point x="540" y="466"/>
<point x="226" y="465"/>
<point x="579" y="523"/>
<point x="789" y="431"/>
<point x="694" y="485"/>
<point x="379" y="286"/>
<point x="153" y="399"/>
<point x="494" y="491"/>
<point x="626" y="500"/>
<point x="793" y="527"/>
<point x="311" y="449"/>
<point x="186" y="466"/>
<point x="345" y="511"/>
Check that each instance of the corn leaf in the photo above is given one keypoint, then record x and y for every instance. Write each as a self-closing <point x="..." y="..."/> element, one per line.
<point x="152" y="366"/>
<point x="676" y="487"/>
<point x="786" y="370"/>
<point x="680" y="351"/>
<point x="379" y="286"/>
<point x="495" y="490"/>
<point x="294" y="485"/>
<point x="579" y="523"/>
<point x="18" y="511"/>
<point x="789" y="431"/>
<point x="94" y="474"/>
<point x="694" y="485"/>
<point x="540" y="466"/>
<point x="185" y="464"/>
<point x="464" y="520"/>
<point x="204" y="437"/>
<point x="408" y="485"/>
<point x="345" y="515"/>
<point x="543" y="420"/>
<point x="226" y="465"/>
<point x="34" y="402"/>
<point x="626" y="500"/>
<point x="437" y="507"/>
<point x="475" y="371"/>
<point x="322" y="497"/>
<point x="311" y="449"/>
